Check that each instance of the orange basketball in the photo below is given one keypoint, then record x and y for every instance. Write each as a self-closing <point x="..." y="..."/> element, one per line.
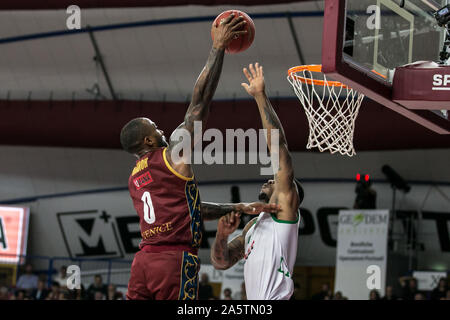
<point x="242" y="42"/>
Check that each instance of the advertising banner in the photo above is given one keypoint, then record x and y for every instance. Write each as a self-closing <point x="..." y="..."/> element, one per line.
<point x="13" y="233"/>
<point x="361" y="252"/>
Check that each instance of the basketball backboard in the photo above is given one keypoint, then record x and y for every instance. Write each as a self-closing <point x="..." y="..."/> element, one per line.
<point x="365" y="41"/>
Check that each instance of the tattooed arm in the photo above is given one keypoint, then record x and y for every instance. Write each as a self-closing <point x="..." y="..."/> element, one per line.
<point x="285" y="192"/>
<point x="214" y="211"/>
<point x="204" y="89"/>
<point x="225" y="254"/>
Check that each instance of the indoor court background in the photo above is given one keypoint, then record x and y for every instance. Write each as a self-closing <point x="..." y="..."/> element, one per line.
<point x="60" y="122"/>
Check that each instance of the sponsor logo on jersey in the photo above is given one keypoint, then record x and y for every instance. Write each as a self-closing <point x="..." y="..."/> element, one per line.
<point x="142" y="180"/>
<point x="157" y="230"/>
<point x="441" y="82"/>
<point x="141" y="165"/>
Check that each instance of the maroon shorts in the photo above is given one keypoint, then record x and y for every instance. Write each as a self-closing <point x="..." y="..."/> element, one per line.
<point x="168" y="275"/>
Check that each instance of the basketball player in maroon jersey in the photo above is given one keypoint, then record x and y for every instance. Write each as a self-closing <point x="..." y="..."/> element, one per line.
<point x="165" y="193"/>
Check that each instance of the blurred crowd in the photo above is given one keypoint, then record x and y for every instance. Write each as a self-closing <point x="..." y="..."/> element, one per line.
<point x="407" y="290"/>
<point x="29" y="286"/>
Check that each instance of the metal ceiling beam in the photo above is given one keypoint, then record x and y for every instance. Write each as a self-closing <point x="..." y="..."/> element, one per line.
<point x="295" y="38"/>
<point x="148" y="23"/>
<point x="99" y="59"/>
<point x="62" y="4"/>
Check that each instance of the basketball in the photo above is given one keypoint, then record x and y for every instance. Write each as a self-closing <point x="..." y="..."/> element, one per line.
<point x="242" y="42"/>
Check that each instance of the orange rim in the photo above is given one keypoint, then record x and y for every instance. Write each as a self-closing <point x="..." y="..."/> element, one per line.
<point x="313" y="68"/>
<point x="377" y="73"/>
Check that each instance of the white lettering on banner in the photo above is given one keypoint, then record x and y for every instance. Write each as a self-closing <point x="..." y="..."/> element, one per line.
<point x="441" y="82"/>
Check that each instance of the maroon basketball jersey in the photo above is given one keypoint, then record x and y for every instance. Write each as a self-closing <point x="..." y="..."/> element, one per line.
<point x="168" y="204"/>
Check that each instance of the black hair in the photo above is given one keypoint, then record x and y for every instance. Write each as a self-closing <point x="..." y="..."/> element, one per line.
<point x="301" y="193"/>
<point x="133" y="134"/>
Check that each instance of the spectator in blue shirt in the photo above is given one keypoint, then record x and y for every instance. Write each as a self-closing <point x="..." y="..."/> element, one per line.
<point x="27" y="281"/>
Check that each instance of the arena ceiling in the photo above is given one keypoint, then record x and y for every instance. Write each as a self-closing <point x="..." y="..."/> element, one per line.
<point x="54" y="92"/>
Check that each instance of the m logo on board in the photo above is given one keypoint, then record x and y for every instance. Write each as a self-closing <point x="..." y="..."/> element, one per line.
<point x="90" y="234"/>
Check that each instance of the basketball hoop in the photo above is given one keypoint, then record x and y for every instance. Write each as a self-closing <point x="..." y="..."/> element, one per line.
<point x="331" y="119"/>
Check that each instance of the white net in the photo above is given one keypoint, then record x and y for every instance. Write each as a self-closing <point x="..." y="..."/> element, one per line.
<point x="331" y="112"/>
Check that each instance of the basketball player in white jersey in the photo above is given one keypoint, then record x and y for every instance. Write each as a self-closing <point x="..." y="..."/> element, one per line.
<point x="268" y="242"/>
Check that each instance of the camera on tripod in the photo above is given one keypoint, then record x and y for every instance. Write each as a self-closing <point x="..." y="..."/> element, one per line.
<point x="443" y="19"/>
<point x="443" y="16"/>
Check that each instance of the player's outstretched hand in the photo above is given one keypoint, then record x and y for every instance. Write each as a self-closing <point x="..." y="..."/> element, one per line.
<point x="228" y="29"/>
<point x="256" y="208"/>
<point x="255" y="77"/>
<point x="228" y="223"/>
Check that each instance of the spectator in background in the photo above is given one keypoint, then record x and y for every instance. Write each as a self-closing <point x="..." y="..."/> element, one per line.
<point x="241" y="294"/>
<point x="20" y="295"/>
<point x="99" y="295"/>
<point x="41" y="292"/>
<point x="205" y="290"/>
<point x="448" y="295"/>
<point x="61" y="278"/>
<point x="77" y="294"/>
<point x="338" y="296"/>
<point x="54" y="293"/>
<point x="227" y="294"/>
<point x="113" y="294"/>
<point x="4" y="294"/>
<point x="389" y="294"/>
<point x="63" y="295"/>
<point x="409" y="288"/>
<point x="27" y="281"/>
<point x="97" y="286"/>
<point x="440" y="291"/>
<point x="374" y="295"/>
<point x="325" y="292"/>
<point x="419" y="296"/>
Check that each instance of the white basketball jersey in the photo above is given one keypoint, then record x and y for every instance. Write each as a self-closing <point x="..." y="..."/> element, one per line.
<point x="270" y="253"/>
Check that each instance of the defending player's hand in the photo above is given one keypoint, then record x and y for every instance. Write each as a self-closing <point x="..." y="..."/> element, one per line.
<point x="255" y="77"/>
<point x="228" y="223"/>
<point x="256" y="208"/>
<point x="227" y="30"/>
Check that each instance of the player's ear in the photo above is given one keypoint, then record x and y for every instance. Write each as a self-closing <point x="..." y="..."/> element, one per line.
<point x="149" y="141"/>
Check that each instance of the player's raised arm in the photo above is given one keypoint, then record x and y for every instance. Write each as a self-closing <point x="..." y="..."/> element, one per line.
<point x="226" y="254"/>
<point x="207" y="81"/>
<point x="214" y="211"/>
<point x="285" y="189"/>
